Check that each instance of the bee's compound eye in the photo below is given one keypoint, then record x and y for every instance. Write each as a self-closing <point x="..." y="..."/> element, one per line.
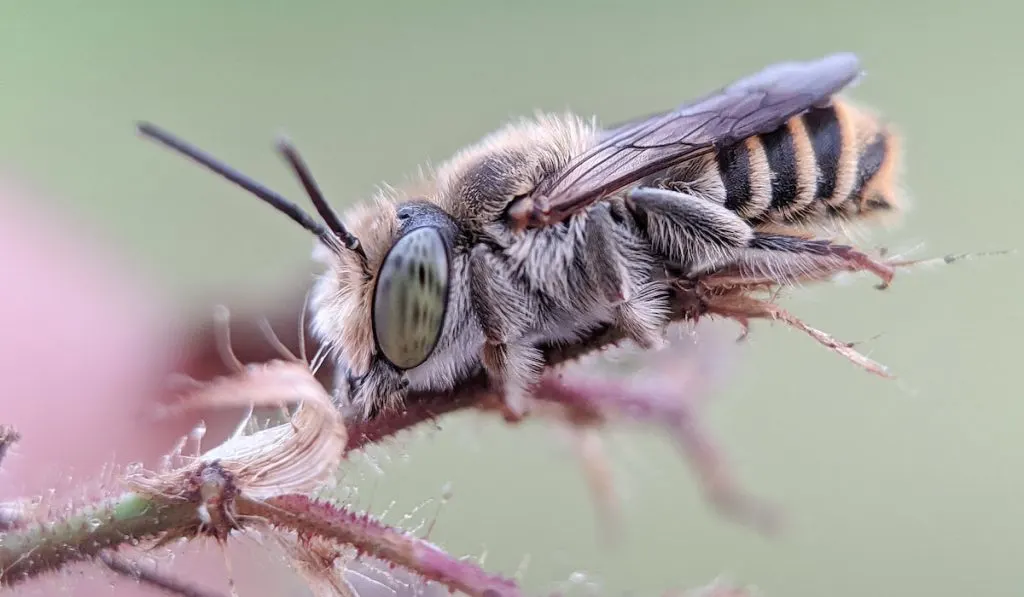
<point x="411" y="298"/>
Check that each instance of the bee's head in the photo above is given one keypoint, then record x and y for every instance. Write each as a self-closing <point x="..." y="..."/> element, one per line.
<point x="391" y="305"/>
<point x="385" y="292"/>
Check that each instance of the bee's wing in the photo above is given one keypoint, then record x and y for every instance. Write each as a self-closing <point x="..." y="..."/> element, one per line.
<point x="618" y="128"/>
<point x="625" y="154"/>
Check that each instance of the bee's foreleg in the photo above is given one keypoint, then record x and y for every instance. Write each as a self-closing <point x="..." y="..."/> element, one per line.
<point x="696" y="234"/>
<point x="505" y="314"/>
<point x="381" y="389"/>
<point x="619" y="267"/>
<point x="517" y="367"/>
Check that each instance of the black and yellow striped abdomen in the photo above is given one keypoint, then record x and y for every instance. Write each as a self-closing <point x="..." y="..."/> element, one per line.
<point x="832" y="162"/>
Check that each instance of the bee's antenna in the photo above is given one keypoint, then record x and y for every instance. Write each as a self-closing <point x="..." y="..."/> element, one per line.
<point x="291" y="155"/>
<point x="211" y="163"/>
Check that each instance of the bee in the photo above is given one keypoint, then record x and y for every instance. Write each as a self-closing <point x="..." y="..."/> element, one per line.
<point x="552" y="227"/>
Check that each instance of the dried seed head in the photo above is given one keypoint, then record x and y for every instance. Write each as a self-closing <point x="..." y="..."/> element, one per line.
<point x="299" y="456"/>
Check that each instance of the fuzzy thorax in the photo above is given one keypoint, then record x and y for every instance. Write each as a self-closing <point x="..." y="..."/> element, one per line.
<point x="476" y="184"/>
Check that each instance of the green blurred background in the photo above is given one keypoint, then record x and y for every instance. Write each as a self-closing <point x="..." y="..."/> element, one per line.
<point x="890" y="488"/>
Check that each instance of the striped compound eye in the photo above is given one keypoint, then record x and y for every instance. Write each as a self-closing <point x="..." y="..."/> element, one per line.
<point x="411" y="298"/>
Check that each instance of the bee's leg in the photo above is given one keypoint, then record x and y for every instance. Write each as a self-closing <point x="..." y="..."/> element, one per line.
<point x="697" y="234"/>
<point x="380" y="390"/>
<point x="517" y="367"/>
<point x="787" y="259"/>
<point x="618" y="268"/>
<point x="505" y="314"/>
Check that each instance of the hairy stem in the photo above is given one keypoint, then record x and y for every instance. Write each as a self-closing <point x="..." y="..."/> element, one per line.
<point x="309" y="517"/>
<point x="38" y="548"/>
<point x="208" y="498"/>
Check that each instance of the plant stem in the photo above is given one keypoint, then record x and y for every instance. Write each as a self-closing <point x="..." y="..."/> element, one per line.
<point x="38" y="548"/>
<point x="310" y="517"/>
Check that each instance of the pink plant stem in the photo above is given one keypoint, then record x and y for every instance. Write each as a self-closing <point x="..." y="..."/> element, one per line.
<point x="669" y="407"/>
<point x="309" y="517"/>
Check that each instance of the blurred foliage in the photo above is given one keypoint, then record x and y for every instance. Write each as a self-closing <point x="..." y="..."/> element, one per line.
<point x="891" y="488"/>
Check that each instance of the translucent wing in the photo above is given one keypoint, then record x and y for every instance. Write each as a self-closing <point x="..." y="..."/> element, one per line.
<point x="754" y="105"/>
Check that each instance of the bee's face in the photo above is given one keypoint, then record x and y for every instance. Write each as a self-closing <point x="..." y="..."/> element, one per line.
<point x="410" y="298"/>
<point x="411" y="289"/>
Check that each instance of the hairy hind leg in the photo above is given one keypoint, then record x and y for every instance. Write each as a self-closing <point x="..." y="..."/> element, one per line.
<point x="696" y="234"/>
<point x="773" y="260"/>
<point x="702" y="235"/>
<point x="780" y="259"/>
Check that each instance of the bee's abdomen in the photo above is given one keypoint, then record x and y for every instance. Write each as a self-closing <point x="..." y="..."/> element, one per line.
<point x="830" y="162"/>
<point x="746" y="178"/>
<point x="825" y="129"/>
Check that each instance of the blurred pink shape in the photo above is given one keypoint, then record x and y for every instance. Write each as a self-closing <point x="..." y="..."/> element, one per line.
<point x="85" y="344"/>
